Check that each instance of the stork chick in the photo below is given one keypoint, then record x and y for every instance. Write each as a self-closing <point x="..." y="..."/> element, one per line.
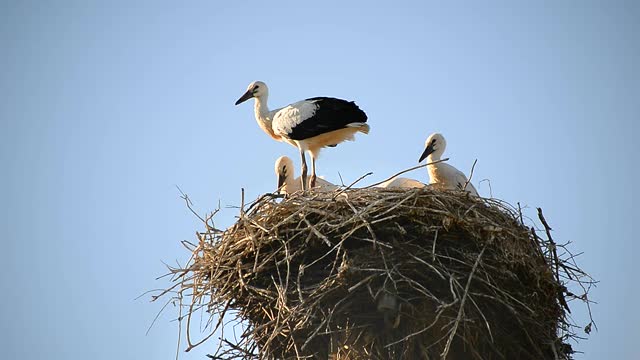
<point x="442" y="175"/>
<point x="287" y="184"/>
<point x="401" y="182"/>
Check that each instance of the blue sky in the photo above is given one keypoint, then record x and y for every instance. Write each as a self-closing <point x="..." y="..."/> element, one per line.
<point x="106" y="106"/>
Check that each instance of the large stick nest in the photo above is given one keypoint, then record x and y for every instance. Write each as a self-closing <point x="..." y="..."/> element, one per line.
<point x="381" y="274"/>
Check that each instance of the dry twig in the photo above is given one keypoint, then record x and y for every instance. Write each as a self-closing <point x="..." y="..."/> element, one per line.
<point x="303" y="275"/>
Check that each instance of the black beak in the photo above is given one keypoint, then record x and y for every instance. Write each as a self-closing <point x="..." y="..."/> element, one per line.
<point x="281" y="179"/>
<point x="427" y="151"/>
<point x="248" y="95"/>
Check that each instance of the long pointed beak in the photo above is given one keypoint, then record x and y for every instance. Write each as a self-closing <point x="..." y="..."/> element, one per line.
<point x="427" y="151"/>
<point x="281" y="180"/>
<point x="248" y="95"/>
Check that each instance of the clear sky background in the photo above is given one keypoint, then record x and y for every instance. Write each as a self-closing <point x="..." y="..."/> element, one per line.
<point x="106" y="106"/>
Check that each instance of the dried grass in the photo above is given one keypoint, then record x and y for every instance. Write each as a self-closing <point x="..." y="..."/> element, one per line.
<point x="381" y="274"/>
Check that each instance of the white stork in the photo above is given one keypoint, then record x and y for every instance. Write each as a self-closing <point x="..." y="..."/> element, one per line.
<point x="443" y="175"/>
<point x="288" y="185"/>
<point x="401" y="182"/>
<point x="309" y="124"/>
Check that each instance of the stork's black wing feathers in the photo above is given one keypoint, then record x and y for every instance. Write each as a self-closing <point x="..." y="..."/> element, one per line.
<point x="331" y="114"/>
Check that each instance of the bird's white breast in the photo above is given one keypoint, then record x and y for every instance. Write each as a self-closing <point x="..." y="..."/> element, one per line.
<point x="447" y="177"/>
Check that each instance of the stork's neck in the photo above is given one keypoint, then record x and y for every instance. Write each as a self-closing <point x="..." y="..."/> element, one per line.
<point x="263" y="116"/>
<point x="433" y="157"/>
<point x="290" y="180"/>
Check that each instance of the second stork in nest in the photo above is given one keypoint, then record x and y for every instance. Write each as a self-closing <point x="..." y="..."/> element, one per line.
<point x="309" y="124"/>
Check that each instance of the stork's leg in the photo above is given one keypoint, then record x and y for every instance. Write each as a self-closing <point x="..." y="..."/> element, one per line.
<point x="312" y="179"/>
<point x="303" y="177"/>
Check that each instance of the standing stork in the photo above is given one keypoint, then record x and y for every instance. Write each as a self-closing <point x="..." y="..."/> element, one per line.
<point x="443" y="175"/>
<point x="309" y="124"/>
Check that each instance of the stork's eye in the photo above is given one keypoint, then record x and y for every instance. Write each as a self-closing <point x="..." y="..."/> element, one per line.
<point x="433" y="142"/>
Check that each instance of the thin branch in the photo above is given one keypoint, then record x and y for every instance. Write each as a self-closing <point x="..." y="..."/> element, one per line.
<point x="353" y="183"/>
<point x="470" y="175"/>
<point x="406" y="171"/>
<point x="452" y="335"/>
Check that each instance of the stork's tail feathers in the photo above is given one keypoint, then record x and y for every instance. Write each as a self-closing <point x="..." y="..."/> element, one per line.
<point x="362" y="127"/>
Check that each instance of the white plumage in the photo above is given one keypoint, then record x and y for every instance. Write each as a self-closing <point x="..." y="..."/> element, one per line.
<point x="442" y="175"/>
<point x="309" y="124"/>
<point x="286" y="119"/>
<point x="287" y="184"/>
<point x="400" y="182"/>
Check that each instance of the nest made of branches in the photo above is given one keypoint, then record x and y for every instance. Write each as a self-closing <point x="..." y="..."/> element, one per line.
<point x="381" y="274"/>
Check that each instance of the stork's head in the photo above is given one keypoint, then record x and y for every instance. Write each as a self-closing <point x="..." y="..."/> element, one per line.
<point x="256" y="89"/>
<point x="434" y="147"/>
<point x="284" y="171"/>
